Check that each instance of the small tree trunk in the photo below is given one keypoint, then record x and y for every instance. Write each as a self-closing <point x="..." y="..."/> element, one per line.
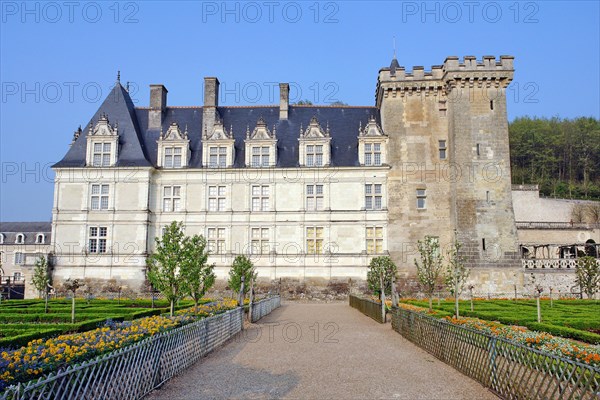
<point x="471" y="299"/>
<point x="172" y="311"/>
<point x="73" y="308"/>
<point x="46" y="303"/>
<point x="431" y="302"/>
<point x="539" y="310"/>
<point x="382" y="297"/>
<point x="251" y="300"/>
<point x="394" y="292"/>
<point x="195" y="305"/>
<point x="241" y="295"/>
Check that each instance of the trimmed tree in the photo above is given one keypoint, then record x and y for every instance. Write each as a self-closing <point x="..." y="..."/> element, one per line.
<point x="72" y="286"/>
<point x="430" y="269"/>
<point x="165" y="264"/>
<point x="197" y="273"/>
<point x="588" y="275"/>
<point x="242" y="266"/>
<point x="456" y="273"/>
<point x="40" y="279"/>
<point x="381" y="269"/>
<point x="381" y="277"/>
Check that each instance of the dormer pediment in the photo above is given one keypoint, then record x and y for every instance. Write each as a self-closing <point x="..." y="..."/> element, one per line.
<point x="372" y="129"/>
<point x="103" y="128"/>
<point x="219" y="132"/>
<point x="261" y="131"/>
<point x="314" y="130"/>
<point x="174" y="133"/>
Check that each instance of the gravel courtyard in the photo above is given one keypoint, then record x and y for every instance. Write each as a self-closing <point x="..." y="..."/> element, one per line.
<point x="320" y="351"/>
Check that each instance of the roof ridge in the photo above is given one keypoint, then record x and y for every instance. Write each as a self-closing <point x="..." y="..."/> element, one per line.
<point x="270" y="106"/>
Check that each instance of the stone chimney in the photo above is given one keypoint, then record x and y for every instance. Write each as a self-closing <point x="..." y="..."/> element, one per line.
<point x="158" y="106"/>
<point x="211" y="102"/>
<point x="284" y="100"/>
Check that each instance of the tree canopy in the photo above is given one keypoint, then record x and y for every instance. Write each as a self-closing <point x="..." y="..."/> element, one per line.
<point x="562" y="156"/>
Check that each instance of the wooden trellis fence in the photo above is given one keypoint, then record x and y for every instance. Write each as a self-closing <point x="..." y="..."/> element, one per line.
<point x="264" y="307"/>
<point x="511" y="370"/>
<point x="132" y="372"/>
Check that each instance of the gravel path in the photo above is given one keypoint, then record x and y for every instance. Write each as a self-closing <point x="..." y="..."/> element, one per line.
<point x="320" y="351"/>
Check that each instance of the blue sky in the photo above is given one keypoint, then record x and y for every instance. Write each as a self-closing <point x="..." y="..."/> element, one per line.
<point x="60" y="59"/>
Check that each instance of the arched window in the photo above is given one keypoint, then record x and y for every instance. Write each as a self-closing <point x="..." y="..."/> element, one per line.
<point x="40" y="238"/>
<point x="1" y="238"/>
<point x="20" y="239"/>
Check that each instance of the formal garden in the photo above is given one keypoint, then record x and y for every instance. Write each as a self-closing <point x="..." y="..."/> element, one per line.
<point x="533" y="321"/>
<point x="520" y="348"/>
<point x="44" y="338"/>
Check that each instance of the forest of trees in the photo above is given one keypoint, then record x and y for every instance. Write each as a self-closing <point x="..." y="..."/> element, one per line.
<point x="562" y="156"/>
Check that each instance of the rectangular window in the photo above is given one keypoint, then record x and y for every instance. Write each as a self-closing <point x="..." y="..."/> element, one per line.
<point x="17" y="276"/>
<point x="172" y="157"/>
<point x="260" y="156"/>
<point x="99" y="197"/>
<point x="314" y="197"/>
<point x="374" y="240"/>
<point x="216" y="198"/>
<point x="259" y="241"/>
<point x="373" y="196"/>
<point x="217" y="156"/>
<point x="314" y="240"/>
<point x="373" y="154"/>
<point x="101" y="156"/>
<point x="314" y="155"/>
<point x="421" y="199"/>
<point x="260" y="198"/>
<point x="19" y="258"/>
<point x="442" y="149"/>
<point x="97" y="239"/>
<point x="171" y="198"/>
<point x="216" y="240"/>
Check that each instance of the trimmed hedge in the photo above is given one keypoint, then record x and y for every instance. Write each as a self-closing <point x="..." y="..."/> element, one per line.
<point x="568" y="318"/>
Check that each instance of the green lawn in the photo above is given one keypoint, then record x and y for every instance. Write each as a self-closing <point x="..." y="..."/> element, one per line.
<point x="24" y="320"/>
<point x="576" y="319"/>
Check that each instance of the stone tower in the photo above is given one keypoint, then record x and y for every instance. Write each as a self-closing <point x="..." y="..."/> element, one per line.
<point x="478" y="127"/>
<point x="449" y="159"/>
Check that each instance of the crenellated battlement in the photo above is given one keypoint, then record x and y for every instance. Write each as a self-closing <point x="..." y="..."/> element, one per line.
<point x="470" y="63"/>
<point x="451" y="63"/>
<point x="486" y="72"/>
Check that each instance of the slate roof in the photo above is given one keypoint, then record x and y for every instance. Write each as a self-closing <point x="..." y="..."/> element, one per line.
<point x="29" y="229"/>
<point x="138" y="147"/>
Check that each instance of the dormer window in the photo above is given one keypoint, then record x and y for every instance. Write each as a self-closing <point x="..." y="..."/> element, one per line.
<point x="102" y="153"/>
<point x="373" y="154"/>
<point x="218" y="147"/>
<point x="102" y="143"/>
<point x="172" y="157"/>
<point x="372" y="144"/>
<point x="260" y="156"/>
<point x="315" y="145"/>
<point x="1" y="238"/>
<point x="40" y="238"/>
<point x="261" y="146"/>
<point x="314" y="155"/>
<point x="20" y="239"/>
<point x="217" y="156"/>
<point x="173" y="148"/>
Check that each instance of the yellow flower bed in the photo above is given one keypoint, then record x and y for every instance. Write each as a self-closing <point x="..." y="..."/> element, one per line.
<point x="41" y="357"/>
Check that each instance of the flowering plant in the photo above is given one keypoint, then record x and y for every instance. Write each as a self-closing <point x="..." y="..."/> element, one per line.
<point x="41" y="357"/>
<point x="543" y="341"/>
